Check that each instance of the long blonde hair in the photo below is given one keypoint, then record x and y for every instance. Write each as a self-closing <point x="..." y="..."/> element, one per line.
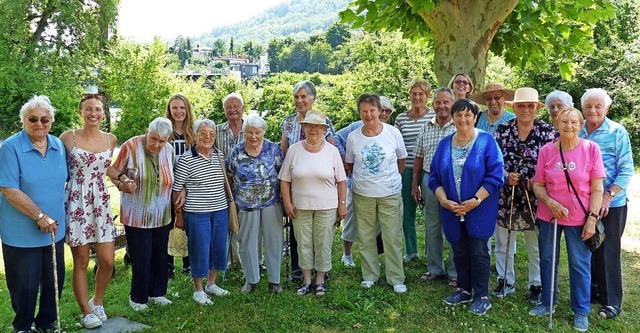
<point x="188" y="131"/>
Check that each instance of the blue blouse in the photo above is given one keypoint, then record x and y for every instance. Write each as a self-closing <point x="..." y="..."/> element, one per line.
<point x="255" y="179"/>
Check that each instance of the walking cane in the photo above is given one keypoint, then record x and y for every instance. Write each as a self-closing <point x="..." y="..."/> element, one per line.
<point x="506" y="260"/>
<point x="287" y="249"/>
<point x="55" y="278"/>
<point x="526" y="193"/>
<point x="553" y="272"/>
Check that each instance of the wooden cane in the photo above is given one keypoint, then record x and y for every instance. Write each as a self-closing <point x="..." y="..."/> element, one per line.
<point x="55" y="278"/>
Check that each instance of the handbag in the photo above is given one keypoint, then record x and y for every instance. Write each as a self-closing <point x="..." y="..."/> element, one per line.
<point x="234" y="224"/>
<point x="177" y="243"/>
<point x="597" y="239"/>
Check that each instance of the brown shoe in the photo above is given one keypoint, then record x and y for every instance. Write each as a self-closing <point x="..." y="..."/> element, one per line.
<point x="247" y="288"/>
<point x="275" y="288"/>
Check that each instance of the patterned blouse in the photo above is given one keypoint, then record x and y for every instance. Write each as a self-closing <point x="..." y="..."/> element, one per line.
<point x="148" y="206"/>
<point x="293" y="129"/>
<point x="255" y="179"/>
<point x="520" y="156"/>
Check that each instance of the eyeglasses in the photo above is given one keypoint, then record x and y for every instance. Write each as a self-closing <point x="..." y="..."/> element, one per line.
<point x="489" y="99"/>
<point x="462" y="82"/>
<point x="387" y="111"/>
<point x="233" y="107"/>
<point x="43" y="120"/>
<point x="206" y="134"/>
<point x="87" y="97"/>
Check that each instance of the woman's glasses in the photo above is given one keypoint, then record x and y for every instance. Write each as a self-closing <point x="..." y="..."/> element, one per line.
<point x="386" y="111"/>
<point x="43" y="120"/>
<point x="462" y="82"/>
<point x="86" y="97"/>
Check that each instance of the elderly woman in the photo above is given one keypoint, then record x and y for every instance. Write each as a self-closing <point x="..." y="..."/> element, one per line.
<point x="466" y="176"/>
<point x="520" y="140"/>
<point x="409" y="123"/>
<point x="375" y="157"/>
<point x="253" y="166"/>
<point x="204" y="213"/>
<point x="349" y="223"/>
<point x="556" y="101"/>
<point x="461" y="85"/>
<point x="558" y="209"/>
<point x="88" y="212"/>
<point x="314" y="191"/>
<point x="180" y="113"/>
<point x="33" y="170"/>
<point x="614" y="143"/>
<point x="304" y="96"/>
<point x="147" y="161"/>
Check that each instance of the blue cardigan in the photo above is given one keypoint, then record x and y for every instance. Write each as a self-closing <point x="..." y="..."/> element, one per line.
<point x="483" y="167"/>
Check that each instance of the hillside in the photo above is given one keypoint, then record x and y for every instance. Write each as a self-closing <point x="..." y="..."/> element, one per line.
<point x="297" y="19"/>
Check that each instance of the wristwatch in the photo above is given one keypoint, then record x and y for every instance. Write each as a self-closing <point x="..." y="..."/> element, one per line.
<point x="477" y="199"/>
<point x="612" y="193"/>
<point x="594" y="215"/>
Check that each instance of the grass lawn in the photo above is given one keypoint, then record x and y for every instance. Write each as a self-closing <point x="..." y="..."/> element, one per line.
<point x="348" y="307"/>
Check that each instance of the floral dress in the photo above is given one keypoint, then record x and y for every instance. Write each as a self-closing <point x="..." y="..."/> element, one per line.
<point x="88" y="212"/>
<point x="520" y="156"/>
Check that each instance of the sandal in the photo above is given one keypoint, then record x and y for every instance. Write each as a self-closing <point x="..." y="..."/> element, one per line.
<point x="304" y="289"/>
<point x="320" y="289"/>
<point x="428" y="276"/>
<point x="608" y="312"/>
<point x="453" y="282"/>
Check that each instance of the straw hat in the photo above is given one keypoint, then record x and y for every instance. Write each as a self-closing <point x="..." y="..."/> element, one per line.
<point x="526" y="95"/>
<point x="479" y="97"/>
<point x="315" y="118"/>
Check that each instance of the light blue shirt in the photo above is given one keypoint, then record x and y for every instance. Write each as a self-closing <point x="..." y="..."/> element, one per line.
<point x="343" y="134"/>
<point x="42" y="179"/>
<point x="615" y="146"/>
<point x="485" y="125"/>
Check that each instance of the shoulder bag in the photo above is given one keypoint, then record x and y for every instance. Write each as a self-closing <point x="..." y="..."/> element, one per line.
<point x="234" y="224"/>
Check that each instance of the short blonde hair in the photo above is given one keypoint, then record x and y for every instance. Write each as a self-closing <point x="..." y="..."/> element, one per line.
<point x="422" y="84"/>
<point x="567" y="110"/>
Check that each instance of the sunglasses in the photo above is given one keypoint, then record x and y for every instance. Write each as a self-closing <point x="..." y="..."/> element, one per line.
<point x="462" y="82"/>
<point x="87" y="97"/>
<point x="387" y="111"/>
<point x="43" y="120"/>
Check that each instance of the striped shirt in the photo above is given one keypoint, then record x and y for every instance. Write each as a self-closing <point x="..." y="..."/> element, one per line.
<point x="428" y="138"/>
<point x="204" y="180"/>
<point x="179" y="145"/>
<point x="409" y="129"/>
<point x="225" y="140"/>
<point x="615" y="146"/>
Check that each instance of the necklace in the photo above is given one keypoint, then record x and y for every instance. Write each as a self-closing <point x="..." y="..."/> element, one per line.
<point x="41" y="145"/>
<point x="311" y="145"/>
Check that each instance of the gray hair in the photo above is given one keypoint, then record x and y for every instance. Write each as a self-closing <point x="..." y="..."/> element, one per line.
<point x="596" y="92"/>
<point x="308" y="86"/>
<point x="233" y="95"/>
<point x="37" y="101"/>
<point x="447" y="90"/>
<point x="254" y="121"/>
<point x="162" y="126"/>
<point x="203" y="122"/>
<point x="561" y="95"/>
<point x="386" y="104"/>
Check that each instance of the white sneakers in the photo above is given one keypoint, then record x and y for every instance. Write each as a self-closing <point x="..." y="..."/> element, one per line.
<point x="215" y="290"/>
<point x="400" y="288"/>
<point x="91" y="321"/>
<point x="367" y="284"/>
<point x="97" y="310"/>
<point x="347" y="260"/>
<point x="201" y="298"/>
<point x="137" y="306"/>
<point x="160" y="300"/>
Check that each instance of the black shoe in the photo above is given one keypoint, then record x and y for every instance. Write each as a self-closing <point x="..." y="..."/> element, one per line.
<point x="534" y="295"/>
<point x="503" y="289"/>
<point x="297" y="275"/>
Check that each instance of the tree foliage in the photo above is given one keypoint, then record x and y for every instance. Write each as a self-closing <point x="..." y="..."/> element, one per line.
<point x="463" y="32"/>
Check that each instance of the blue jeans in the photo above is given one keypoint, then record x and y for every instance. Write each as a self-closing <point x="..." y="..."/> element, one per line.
<point x="579" y="258"/>
<point x="29" y="271"/>
<point x="472" y="260"/>
<point x="207" y="241"/>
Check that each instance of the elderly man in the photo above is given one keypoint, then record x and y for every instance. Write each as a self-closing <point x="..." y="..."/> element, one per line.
<point x="494" y="97"/>
<point x="427" y="141"/>
<point x="229" y="134"/>
<point x="349" y="225"/>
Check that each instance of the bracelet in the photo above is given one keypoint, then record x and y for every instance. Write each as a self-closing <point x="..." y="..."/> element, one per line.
<point x="594" y="215"/>
<point x="40" y="216"/>
<point x="120" y="175"/>
<point x="118" y="186"/>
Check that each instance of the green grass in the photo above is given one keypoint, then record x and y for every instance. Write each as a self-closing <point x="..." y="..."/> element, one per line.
<point x="346" y="306"/>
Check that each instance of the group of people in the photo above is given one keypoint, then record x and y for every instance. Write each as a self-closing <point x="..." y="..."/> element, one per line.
<point x="477" y="174"/>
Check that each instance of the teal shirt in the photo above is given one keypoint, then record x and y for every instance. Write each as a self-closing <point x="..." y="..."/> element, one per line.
<point x="41" y="178"/>
<point x="615" y="146"/>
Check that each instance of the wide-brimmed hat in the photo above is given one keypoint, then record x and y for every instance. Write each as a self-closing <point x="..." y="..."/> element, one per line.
<point x="526" y="95"/>
<point x="479" y="97"/>
<point x="315" y="118"/>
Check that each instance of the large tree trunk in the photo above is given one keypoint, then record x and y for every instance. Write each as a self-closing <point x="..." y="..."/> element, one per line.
<point x="462" y="31"/>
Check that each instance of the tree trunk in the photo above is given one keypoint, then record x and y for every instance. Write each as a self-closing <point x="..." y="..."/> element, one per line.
<point x="462" y="31"/>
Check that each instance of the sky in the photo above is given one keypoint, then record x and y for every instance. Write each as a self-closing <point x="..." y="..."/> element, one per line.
<point x="142" y="20"/>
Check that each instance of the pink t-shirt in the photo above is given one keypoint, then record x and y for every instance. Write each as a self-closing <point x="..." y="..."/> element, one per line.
<point x="313" y="176"/>
<point x="584" y="164"/>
